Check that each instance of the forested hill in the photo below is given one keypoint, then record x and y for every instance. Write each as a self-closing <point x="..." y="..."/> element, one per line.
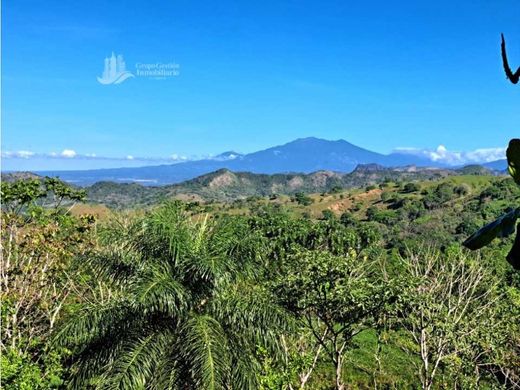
<point x="225" y="185"/>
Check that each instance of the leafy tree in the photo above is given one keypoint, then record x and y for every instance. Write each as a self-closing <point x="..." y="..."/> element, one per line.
<point x="302" y="199"/>
<point x="411" y="187"/>
<point x="462" y="189"/>
<point x="38" y="246"/>
<point x="328" y="214"/>
<point x="347" y="219"/>
<point x="386" y="196"/>
<point x="336" y="297"/>
<point x="186" y="312"/>
<point x="335" y="190"/>
<point x="440" y="195"/>
<point x="449" y="299"/>
<point x="21" y="195"/>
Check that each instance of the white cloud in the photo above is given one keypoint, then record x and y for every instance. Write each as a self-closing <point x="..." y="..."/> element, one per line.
<point x="19" y="154"/>
<point x="176" y="157"/>
<point x="24" y="154"/>
<point x="442" y="155"/>
<point x="68" y="153"/>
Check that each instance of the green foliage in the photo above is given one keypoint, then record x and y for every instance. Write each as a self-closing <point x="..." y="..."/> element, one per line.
<point x="302" y="199"/>
<point x="21" y="194"/>
<point x="39" y="241"/>
<point x="386" y="217"/>
<point x="260" y="294"/>
<point x="446" y="308"/>
<point x="411" y="187"/>
<point x="347" y="219"/>
<point x="462" y="189"/>
<point x="513" y="159"/>
<point x="386" y="196"/>
<point x="505" y="225"/>
<point x="336" y="297"/>
<point x="336" y="190"/>
<point x="21" y="372"/>
<point x="328" y="214"/>
<point x="441" y="194"/>
<point x="188" y="309"/>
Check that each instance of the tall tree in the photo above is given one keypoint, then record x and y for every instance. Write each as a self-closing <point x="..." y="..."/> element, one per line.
<point x="185" y="312"/>
<point x="450" y="311"/>
<point x="336" y="297"/>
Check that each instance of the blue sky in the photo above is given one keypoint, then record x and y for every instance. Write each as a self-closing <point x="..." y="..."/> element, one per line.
<point x="382" y="75"/>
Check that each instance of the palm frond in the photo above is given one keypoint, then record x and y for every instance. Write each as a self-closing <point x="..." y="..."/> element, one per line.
<point x="204" y="347"/>
<point x="254" y="311"/>
<point x="158" y="291"/>
<point x="115" y="266"/>
<point x="244" y="371"/>
<point x="138" y="358"/>
<point x="96" y="321"/>
<point x="167" y="373"/>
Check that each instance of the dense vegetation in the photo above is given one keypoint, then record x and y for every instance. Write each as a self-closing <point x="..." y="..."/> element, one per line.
<point x="359" y="288"/>
<point x="225" y="186"/>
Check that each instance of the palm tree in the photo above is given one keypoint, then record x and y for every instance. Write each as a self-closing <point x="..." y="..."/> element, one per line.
<point x="186" y="310"/>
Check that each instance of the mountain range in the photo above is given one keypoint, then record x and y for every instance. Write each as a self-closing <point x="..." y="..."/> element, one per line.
<point x="304" y="155"/>
<point x="225" y="185"/>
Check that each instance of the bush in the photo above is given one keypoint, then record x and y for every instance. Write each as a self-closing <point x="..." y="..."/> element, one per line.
<point x="441" y="194"/>
<point x="462" y="189"/>
<point x="335" y="190"/>
<point x="347" y="219"/>
<point x="411" y="187"/>
<point x="382" y="216"/>
<point x="302" y="199"/>
<point x="328" y="215"/>
<point x="386" y="196"/>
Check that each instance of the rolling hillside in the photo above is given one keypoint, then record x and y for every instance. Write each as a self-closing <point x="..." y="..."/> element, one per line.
<point x="225" y="185"/>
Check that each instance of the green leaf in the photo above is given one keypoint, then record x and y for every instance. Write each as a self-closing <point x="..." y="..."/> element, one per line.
<point x="513" y="159"/>
<point x="502" y="227"/>
<point x="205" y="347"/>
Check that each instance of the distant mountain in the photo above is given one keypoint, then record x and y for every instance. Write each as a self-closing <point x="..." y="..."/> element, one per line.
<point x="230" y="155"/>
<point x="498" y="165"/>
<point x="477" y="170"/>
<point x="303" y="155"/>
<point x="14" y="176"/>
<point x="309" y="155"/>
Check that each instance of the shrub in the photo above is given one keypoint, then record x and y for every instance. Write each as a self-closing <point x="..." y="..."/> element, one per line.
<point x="302" y="199"/>
<point x="411" y="187"/>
